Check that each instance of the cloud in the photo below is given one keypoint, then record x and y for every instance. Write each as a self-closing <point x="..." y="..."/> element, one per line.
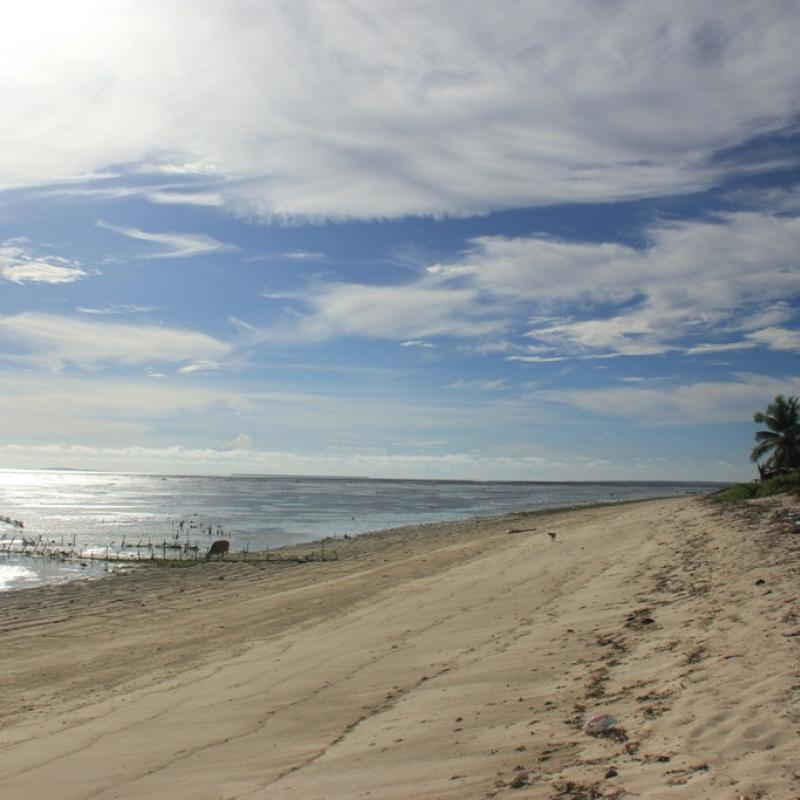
<point x="394" y="108"/>
<point x="186" y="197"/>
<point x="161" y="194"/>
<point x="402" y="312"/>
<point x="53" y="341"/>
<point x="19" y="263"/>
<point x="98" y="410"/>
<point x="481" y="385"/>
<point x="704" y="349"/>
<point x="292" y="255"/>
<point x="690" y="280"/>
<point x="418" y="343"/>
<point x="41" y="272"/>
<point x="781" y="339"/>
<point x="124" y="308"/>
<point x="178" y="245"/>
<point x="237" y="458"/>
<point x="303" y="255"/>
<point x="543" y="300"/>
<point x="243" y="441"/>
<point x="199" y="366"/>
<point x="695" y="403"/>
<point x="167" y="167"/>
<point x="537" y="359"/>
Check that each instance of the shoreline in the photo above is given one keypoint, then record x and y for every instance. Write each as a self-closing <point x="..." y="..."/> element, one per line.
<point x="167" y="517"/>
<point x="429" y="661"/>
<point x="302" y="552"/>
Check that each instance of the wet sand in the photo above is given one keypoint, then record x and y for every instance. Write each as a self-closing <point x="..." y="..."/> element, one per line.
<point x="447" y="661"/>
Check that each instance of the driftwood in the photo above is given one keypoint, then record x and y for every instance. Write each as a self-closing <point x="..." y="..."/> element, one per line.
<point x="531" y="530"/>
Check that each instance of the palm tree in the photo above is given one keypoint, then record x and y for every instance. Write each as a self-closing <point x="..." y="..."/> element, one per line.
<point x="781" y="443"/>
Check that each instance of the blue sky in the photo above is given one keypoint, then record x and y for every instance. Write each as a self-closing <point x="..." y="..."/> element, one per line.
<point x="528" y="240"/>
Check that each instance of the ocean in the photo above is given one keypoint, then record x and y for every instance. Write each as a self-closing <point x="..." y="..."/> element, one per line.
<point x="97" y="513"/>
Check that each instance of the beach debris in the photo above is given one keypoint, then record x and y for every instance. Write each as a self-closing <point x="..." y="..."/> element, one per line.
<point x="760" y="582"/>
<point x="611" y="641"/>
<point x="660" y="758"/>
<point x="682" y="776"/>
<point x="521" y="780"/>
<point x="600" y="724"/>
<point x="581" y="791"/>
<point x="639" y="619"/>
<point x="611" y="772"/>
<point x="696" y="654"/>
<point x="655" y="711"/>
<point x="596" y="686"/>
<point x="605" y="726"/>
<point x="551" y="535"/>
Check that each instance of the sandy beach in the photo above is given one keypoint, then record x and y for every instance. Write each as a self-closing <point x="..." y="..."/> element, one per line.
<point x="456" y="660"/>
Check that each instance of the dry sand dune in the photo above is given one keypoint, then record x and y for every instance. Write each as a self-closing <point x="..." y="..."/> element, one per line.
<point x="447" y="661"/>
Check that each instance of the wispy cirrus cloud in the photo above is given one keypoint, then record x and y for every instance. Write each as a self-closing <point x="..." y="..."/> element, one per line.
<point x="407" y="313"/>
<point x="694" y="287"/>
<point x="781" y="339"/>
<point x="291" y="255"/>
<point x="176" y="245"/>
<point x="303" y="255"/>
<point x="686" y="403"/>
<point x="21" y="262"/>
<point x="199" y="366"/>
<point x="53" y="341"/>
<point x="705" y="349"/>
<point x="114" y="310"/>
<point x="481" y="385"/>
<point x="393" y="108"/>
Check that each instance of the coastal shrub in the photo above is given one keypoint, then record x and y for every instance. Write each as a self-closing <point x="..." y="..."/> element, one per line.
<point x="737" y="492"/>
<point x="781" y="484"/>
<point x="788" y="483"/>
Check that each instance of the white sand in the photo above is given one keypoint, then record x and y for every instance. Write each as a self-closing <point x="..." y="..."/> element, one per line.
<point x="449" y="661"/>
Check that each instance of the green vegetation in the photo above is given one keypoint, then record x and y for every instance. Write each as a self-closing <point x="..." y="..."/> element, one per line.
<point x="778" y="447"/>
<point x="777" y="454"/>
<point x="786" y="483"/>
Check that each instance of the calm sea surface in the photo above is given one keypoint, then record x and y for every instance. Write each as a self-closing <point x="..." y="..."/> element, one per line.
<point x="94" y="511"/>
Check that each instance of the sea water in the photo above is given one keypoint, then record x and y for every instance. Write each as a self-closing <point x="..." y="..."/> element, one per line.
<point x="97" y="512"/>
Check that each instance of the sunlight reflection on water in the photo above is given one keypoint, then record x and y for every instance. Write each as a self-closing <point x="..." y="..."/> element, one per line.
<point x="21" y="572"/>
<point x="91" y="511"/>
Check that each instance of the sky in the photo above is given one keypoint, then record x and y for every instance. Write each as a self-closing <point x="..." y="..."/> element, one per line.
<point x="527" y="240"/>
